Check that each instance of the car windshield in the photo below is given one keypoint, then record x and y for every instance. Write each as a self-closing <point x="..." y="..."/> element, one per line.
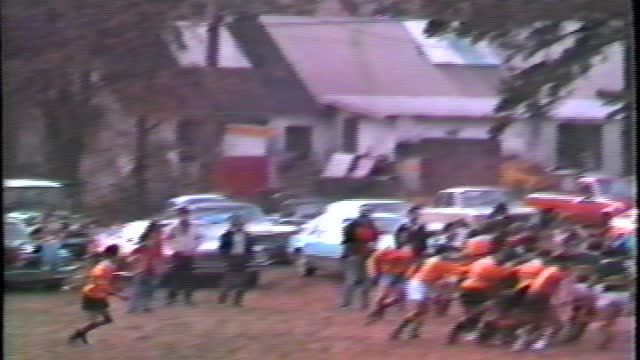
<point x="222" y="215"/>
<point x="615" y="188"/>
<point x="482" y="198"/>
<point x="388" y="208"/>
<point x="13" y="233"/>
<point x="303" y="211"/>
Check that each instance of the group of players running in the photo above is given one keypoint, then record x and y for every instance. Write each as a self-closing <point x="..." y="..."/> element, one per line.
<point x="515" y="291"/>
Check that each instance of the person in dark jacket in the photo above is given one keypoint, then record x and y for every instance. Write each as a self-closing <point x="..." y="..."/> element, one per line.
<point x="413" y="232"/>
<point x="359" y="240"/>
<point x="236" y="246"/>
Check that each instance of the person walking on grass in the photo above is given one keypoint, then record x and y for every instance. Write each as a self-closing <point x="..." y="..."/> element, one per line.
<point x="95" y="295"/>
<point x="359" y="240"/>
<point x="184" y="240"/>
<point x="236" y="245"/>
<point x="147" y="263"/>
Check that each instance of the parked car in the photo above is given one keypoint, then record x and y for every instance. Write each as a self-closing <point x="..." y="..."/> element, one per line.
<point x="589" y="200"/>
<point x="22" y="259"/>
<point x="211" y="221"/>
<point x="318" y="244"/>
<point x="196" y="199"/>
<point x="298" y="212"/>
<point x="472" y="204"/>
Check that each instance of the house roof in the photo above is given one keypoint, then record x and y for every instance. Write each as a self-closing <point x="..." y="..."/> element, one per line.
<point x="374" y="57"/>
<point x="448" y="106"/>
<point x="381" y="67"/>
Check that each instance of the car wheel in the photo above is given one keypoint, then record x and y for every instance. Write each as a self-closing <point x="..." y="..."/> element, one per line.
<point x="303" y="267"/>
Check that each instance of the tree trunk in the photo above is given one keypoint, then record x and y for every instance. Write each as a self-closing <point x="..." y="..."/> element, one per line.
<point x="140" y="167"/>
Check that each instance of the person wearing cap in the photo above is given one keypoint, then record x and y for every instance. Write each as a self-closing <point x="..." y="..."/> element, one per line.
<point x="183" y="238"/>
<point x="359" y="241"/>
<point x="100" y="286"/>
<point x="236" y="245"/>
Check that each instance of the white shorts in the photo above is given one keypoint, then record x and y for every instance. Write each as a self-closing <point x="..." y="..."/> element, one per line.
<point x="613" y="299"/>
<point x="417" y="291"/>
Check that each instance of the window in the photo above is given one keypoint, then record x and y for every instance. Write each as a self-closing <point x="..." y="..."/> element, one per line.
<point x="350" y="135"/>
<point x="185" y="137"/>
<point x="298" y="141"/>
<point x="580" y="146"/>
<point x="197" y="8"/>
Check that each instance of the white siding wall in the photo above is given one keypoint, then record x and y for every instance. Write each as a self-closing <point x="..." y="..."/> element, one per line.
<point x="612" y="148"/>
<point x="381" y="136"/>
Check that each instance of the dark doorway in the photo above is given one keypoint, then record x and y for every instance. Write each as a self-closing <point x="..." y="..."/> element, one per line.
<point x="580" y="146"/>
<point x="350" y="135"/>
<point x="458" y="162"/>
<point x="298" y="141"/>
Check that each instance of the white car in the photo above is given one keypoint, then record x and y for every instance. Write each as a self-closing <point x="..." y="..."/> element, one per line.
<point x="318" y="244"/>
<point x="473" y="204"/>
<point x="196" y="199"/>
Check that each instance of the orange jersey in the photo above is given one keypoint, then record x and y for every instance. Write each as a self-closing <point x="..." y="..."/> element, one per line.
<point x="101" y="279"/>
<point x="477" y="246"/>
<point x="547" y="282"/>
<point x="437" y="269"/>
<point x="485" y="274"/>
<point x="391" y="261"/>
<point x="527" y="272"/>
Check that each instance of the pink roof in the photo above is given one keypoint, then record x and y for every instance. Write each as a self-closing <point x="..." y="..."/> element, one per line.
<point x="442" y="106"/>
<point x="370" y="57"/>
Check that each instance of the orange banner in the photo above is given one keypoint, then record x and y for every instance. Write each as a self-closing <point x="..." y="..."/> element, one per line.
<point x="250" y="131"/>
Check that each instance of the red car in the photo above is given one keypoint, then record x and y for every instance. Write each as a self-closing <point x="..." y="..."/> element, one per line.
<point x="593" y="202"/>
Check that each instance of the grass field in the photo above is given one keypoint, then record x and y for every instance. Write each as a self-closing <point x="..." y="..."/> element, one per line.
<point x="286" y="318"/>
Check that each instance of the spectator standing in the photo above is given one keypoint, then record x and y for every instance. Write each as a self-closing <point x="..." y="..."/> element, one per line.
<point x="148" y="264"/>
<point x="50" y="252"/>
<point x="236" y="245"/>
<point x="359" y="240"/>
<point x="413" y="232"/>
<point x="184" y="240"/>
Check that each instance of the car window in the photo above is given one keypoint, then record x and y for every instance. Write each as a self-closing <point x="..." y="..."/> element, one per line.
<point x="14" y="232"/>
<point x="223" y="215"/>
<point x="444" y="199"/>
<point x="482" y="198"/>
<point x="389" y="208"/>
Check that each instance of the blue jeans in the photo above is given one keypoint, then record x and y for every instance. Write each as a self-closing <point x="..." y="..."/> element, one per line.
<point x="50" y="258"/>
<point x="356" y="280"/>
<point x="143" y="287"/>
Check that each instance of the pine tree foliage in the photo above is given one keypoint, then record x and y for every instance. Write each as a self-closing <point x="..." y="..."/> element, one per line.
<point x="552" y="43"/>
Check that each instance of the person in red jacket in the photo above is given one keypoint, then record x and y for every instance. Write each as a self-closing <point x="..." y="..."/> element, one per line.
<point x="359" y="241"/>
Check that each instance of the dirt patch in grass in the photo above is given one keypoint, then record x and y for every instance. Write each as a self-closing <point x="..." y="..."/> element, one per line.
<point x="286" y="318"/>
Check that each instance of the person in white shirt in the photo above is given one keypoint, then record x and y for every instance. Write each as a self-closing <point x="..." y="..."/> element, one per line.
<point x="236" y="245"/>
<point x="184" y="239"/>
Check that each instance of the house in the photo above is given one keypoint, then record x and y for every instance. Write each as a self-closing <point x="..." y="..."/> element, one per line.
<point x="392" y="91"/>
<point x="282" y="94"/>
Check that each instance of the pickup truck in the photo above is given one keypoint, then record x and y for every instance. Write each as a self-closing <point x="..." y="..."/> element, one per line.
<point x="588" y="200"/>
<point x="472" y="204"/>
